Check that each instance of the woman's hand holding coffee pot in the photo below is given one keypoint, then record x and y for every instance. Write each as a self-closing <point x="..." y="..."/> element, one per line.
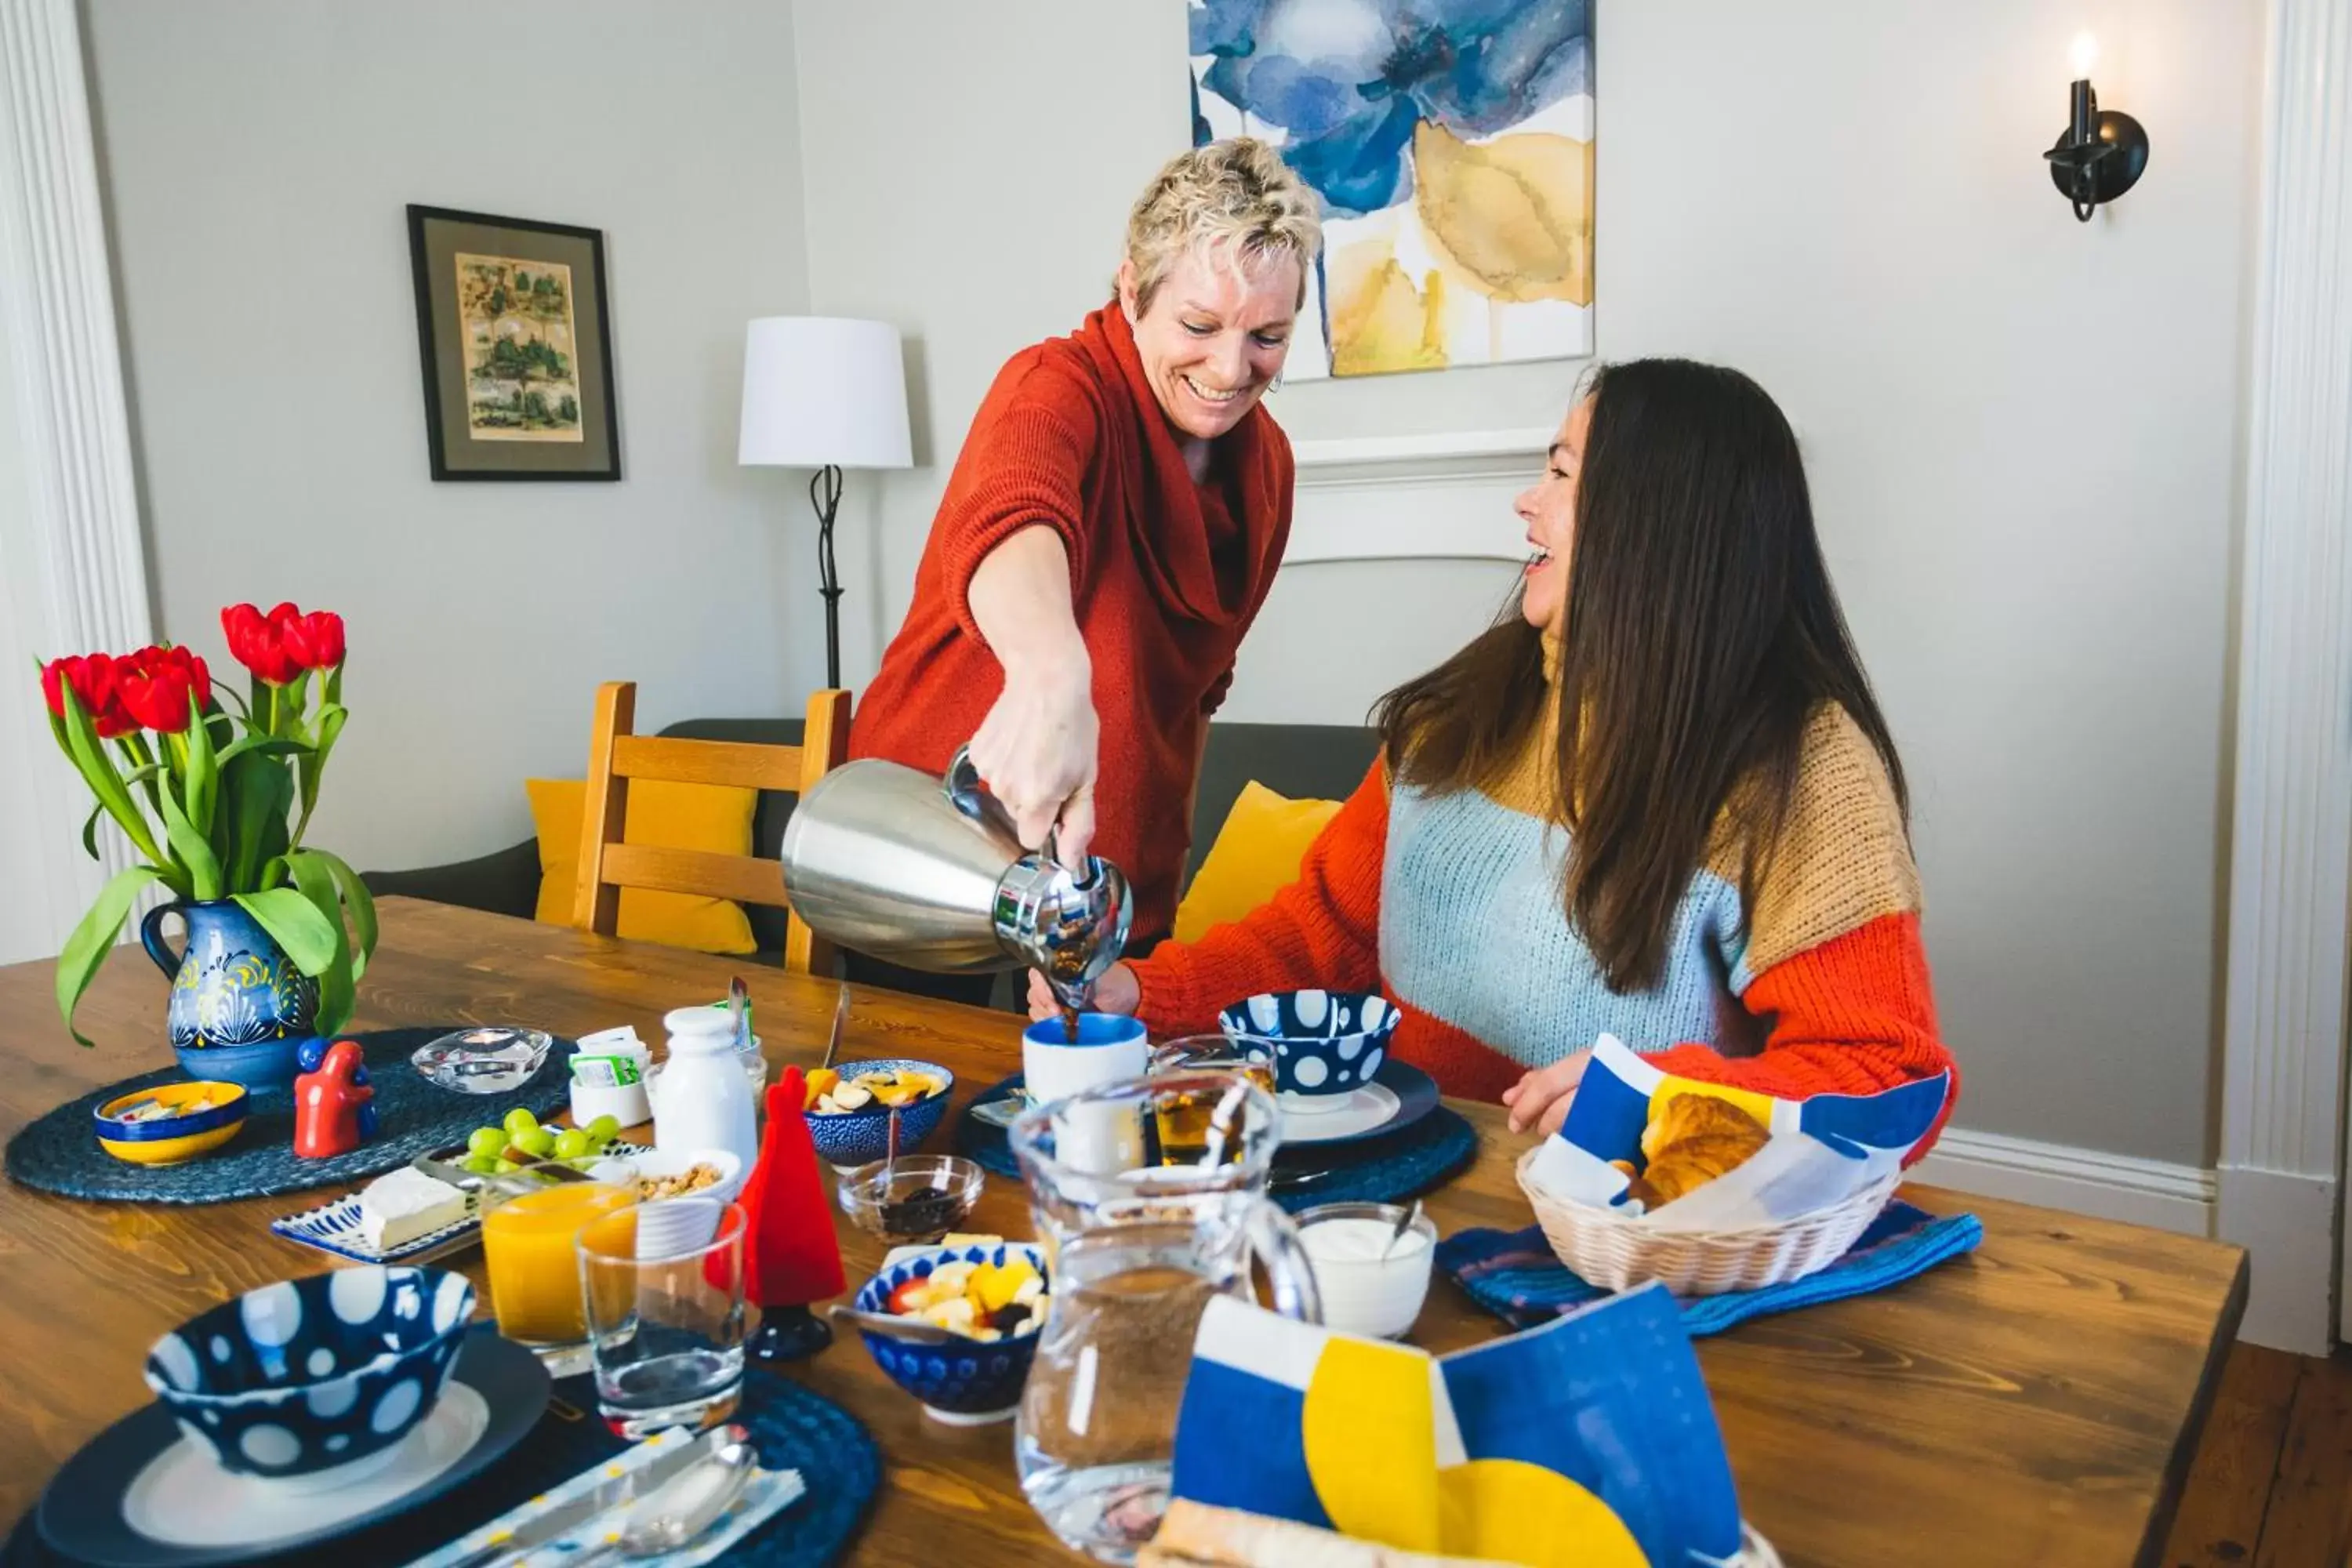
<point x="1116" y="992"/>
<point x="1036" y="749"/>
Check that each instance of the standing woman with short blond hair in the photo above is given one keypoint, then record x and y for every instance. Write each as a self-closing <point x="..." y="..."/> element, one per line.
<point x="1112" y="525"/>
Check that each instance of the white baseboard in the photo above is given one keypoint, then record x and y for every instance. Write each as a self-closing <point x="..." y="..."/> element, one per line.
<point x="2181" y="1198"/>
<point x="2285" y="1222"/>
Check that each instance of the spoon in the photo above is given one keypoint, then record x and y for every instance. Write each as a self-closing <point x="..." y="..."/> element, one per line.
<point x="914" y="1330"/>
<point x="682" y="1508"/>
<point x="840" y="1022"/>
<point x="1411" y="1218"/>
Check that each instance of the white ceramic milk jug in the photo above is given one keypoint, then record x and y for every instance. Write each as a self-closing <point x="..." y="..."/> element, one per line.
<point x="701" y="1098"/>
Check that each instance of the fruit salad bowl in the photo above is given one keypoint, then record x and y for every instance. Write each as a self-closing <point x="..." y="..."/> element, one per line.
<point x="970" y="1381"/>
<point x="858" y="1132"/>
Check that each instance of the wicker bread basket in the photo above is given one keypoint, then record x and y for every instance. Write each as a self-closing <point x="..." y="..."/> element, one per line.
<point x="1616" y="1251"/>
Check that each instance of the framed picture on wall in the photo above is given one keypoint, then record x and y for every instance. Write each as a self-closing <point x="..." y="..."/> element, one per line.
<point x="517" y="343"/>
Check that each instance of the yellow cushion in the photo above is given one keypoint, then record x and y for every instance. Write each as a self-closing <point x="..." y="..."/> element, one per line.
<point x="662" y="815"/>
<point x="1256" y="855"/>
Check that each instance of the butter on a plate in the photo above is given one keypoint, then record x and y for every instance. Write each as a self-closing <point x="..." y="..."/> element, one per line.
<point x="398" y="1208"/>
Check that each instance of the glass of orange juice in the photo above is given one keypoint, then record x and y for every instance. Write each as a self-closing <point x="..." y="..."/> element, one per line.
<point x="528" y="1242"/>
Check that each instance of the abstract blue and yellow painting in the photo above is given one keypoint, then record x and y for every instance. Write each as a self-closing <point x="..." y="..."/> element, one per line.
<point x="1587" y="1443"/>
<point x="1450" y="144"/>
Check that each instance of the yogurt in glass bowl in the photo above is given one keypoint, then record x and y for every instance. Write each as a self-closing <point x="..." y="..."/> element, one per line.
<point x="1363" y="1292"/>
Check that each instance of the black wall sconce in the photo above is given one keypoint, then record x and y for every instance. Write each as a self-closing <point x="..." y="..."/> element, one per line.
<point x="2100" y="152"/>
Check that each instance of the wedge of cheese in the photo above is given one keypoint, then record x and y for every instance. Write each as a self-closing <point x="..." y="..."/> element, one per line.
<point x="397" y="1208"/>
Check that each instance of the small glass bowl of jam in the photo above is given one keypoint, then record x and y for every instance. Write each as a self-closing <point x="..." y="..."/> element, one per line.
<point x="913" y="1198"/>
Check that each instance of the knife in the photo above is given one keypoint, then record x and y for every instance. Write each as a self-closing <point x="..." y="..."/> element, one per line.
<point x="443" y="1165"/>
<point x="602" y="1497"/>
<point x="510" y="1183"/>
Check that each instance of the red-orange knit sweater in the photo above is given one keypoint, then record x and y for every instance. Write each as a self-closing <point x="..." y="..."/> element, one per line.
<point x="1166" y="575"/>
<point x="1449" y="905"/>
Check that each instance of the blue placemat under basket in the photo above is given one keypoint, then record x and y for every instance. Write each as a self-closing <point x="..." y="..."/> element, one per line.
<point x="59" y="1152"/>
<point x="1513" y="1274"/>
<point x="1404" y="1164"/>
<point x="793" y="1427"/>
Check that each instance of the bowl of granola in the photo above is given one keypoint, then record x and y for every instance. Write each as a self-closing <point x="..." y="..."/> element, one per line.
<point x="659" y="1173"/>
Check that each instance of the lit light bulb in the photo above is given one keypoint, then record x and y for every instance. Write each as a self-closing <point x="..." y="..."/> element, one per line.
<point x="2083" y="56"/>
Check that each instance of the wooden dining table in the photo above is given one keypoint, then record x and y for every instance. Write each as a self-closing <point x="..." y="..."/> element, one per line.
<point x="2036" y="1402"/>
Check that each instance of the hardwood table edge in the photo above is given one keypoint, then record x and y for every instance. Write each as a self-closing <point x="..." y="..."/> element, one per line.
<point x="2161" y="1513"/>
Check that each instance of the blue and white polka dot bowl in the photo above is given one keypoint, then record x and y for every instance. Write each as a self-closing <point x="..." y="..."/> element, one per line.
<point x="849" y="1139"/>
<point x="964" y="1382"/>
<point x="313" y="1381"/>
<point x="1325" y="1043"/>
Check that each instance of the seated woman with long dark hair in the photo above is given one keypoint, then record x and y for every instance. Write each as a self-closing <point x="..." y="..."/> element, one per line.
<point x="1660" y="802"/>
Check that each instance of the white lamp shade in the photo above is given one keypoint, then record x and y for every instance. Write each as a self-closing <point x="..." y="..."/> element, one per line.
<point x="823" y="389"/>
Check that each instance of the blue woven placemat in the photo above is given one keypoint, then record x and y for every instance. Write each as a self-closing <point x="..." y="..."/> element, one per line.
<point x="794" y="1429"/>
<point x="1514" y="1275"/>
<point x="59" y="1154"/>
<point x="1404" y="1164"/>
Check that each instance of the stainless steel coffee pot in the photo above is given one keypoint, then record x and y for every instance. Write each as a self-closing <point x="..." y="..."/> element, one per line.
<point x="929" y="873"/>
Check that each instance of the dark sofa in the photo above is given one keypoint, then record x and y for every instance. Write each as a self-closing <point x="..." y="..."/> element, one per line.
<point x="1301" y="761"/>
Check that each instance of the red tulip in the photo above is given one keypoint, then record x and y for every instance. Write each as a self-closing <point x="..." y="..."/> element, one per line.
<point x="314" y="641"/>
<point x="258" y="643"/>
<point x="163" y="687"/>
<point x="95" y="683"/>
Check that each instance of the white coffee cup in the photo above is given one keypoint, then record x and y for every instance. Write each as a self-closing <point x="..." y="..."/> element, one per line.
<point x="1108" y="1049"/>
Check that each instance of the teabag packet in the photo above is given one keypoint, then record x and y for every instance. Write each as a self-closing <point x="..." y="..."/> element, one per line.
<point x="1821" y="1150"/>
<point x="609" y="1059"/>
<point x="1588" y="1440"/>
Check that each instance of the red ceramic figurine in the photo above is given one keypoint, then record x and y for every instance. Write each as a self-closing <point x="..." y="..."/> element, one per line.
<point x="791" y="1256"/>
<point x="331" y="1111"/>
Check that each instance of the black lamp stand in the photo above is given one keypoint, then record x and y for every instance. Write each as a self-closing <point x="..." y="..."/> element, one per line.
<point x="824" y="494"/>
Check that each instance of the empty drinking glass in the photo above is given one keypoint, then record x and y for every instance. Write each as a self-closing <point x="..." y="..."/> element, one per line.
<point x="663" y="1285"/>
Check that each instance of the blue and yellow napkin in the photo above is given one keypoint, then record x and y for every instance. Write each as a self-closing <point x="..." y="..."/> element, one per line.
<point x="769" y="1491"/>
<point x="1588" y="1442"/>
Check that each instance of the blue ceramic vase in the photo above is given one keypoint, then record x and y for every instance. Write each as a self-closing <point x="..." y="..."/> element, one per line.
<point x="239" y="1009"/>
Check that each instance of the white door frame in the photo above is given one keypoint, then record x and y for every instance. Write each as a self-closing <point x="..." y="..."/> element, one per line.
<point x="2291" y="837"/>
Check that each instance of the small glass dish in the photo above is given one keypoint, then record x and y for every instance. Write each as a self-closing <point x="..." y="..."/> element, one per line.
<point x="488" y="1060"/>
<point x="915" y="1198"/>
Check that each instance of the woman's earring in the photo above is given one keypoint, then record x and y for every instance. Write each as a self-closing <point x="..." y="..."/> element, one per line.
<point x="1276" y="385"/>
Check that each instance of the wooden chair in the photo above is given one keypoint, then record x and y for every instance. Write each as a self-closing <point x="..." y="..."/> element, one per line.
<point x="617" y="754"/>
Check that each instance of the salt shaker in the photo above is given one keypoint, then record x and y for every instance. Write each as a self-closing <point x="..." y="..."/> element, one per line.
<point x="702" y="1100"/>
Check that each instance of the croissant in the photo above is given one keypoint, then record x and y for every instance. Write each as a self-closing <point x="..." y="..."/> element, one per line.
<point x="1692" y="1139"/>
<point x="1196" y="1535"/>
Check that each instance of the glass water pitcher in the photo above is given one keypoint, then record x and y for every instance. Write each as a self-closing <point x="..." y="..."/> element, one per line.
<point x="1137" y="1249"/>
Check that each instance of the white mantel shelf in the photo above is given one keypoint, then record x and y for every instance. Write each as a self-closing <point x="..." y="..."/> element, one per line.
<point x="1413" y="498"/>
<point x="1387" y="451"/>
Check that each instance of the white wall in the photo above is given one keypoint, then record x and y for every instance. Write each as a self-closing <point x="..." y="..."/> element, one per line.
<point x="259" y="156"/>
<point x="2023" y="431"/>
